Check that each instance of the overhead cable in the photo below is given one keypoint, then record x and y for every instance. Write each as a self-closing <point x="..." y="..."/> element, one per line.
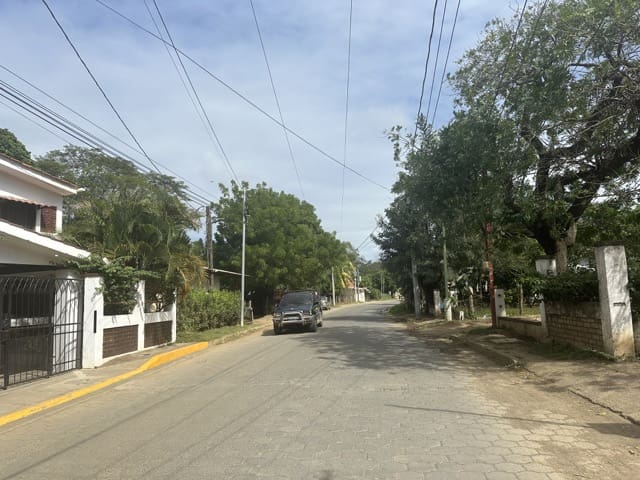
<point x="446" y="61"/>
<point x="195" y="93"/>
<point x="346" y="111"/>
<point x="435" y="63"/>
<point x="426" y="66"/>
<point x="104" y="94"/>
<point x="275" y="95"/>
<point x="72" y="130"/>
<point x="244" y="98"/>
<point x="88" y="120"/>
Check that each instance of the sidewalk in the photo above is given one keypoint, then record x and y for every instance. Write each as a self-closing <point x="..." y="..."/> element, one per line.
<point x="23" y="400"/>
<point x="611" y="385"/>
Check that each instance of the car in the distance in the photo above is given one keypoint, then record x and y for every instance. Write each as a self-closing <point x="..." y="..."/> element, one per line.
<point x="299" y="308"/>
<point x="325" y="303"/>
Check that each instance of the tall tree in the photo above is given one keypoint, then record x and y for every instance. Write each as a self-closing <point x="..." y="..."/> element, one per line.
<point x="564" y="80"/>
<point x="139" y="219"/>
<point x="286" y="247"/>
<point x="14" y="148"/>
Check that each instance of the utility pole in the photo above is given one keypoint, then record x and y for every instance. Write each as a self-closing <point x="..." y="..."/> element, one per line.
<point x="492" y="293"/>
<point x="445" y="274"/>
<point x="244" y="234"/>
<point x="416" y="287"/>
<point x="333" y="288"/>
<point x="209" y="249"/>
<point x="357" y="300"/>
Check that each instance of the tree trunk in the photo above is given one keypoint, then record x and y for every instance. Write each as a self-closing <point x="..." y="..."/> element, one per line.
<point x="562" y="248"/>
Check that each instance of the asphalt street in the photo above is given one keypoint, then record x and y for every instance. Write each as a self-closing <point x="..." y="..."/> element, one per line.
<point x="361" y="398"/>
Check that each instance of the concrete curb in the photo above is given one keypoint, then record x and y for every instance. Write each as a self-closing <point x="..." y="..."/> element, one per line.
<point x="153" y="362"/>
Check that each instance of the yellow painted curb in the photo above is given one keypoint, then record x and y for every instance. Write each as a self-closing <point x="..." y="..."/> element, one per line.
<point x="153" y="362"/>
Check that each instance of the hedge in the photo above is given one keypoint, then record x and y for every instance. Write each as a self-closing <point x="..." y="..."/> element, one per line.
<point x="202" y="310"/>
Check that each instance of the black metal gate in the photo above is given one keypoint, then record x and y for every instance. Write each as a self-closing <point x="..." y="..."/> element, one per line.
<point x="40" y="327"/>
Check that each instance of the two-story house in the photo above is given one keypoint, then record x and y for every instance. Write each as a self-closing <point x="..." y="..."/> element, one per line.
<point x="40" y="302"/>
<point x="31" y="219"/>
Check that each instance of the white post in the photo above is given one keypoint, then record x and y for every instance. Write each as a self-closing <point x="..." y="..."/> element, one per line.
<point x="615" y="305"/>
<point x="244" y="232"/>
<point x="333" y="288"/>
<point x="92" y="322"/>
<point x="437" y="311"/>
<point x="501" y="304"/>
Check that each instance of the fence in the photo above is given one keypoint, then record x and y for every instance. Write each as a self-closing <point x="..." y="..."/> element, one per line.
<point x="40" y="327"/>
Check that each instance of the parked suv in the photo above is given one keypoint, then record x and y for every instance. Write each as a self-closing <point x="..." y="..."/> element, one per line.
<point x="299" y="308"/>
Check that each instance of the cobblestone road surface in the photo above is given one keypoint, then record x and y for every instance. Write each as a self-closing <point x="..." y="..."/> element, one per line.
<point x="359" y="399"/>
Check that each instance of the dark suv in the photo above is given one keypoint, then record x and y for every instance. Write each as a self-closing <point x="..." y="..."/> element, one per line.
<point x="300" y="308"/>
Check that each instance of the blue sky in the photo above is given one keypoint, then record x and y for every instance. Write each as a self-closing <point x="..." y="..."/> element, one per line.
<point x="306" y="42"/>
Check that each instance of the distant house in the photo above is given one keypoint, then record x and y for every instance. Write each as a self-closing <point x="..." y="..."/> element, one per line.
<point x="31" y="219"/>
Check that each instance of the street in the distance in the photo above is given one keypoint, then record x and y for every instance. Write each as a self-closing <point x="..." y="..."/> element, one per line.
<point x="360" y="398"/>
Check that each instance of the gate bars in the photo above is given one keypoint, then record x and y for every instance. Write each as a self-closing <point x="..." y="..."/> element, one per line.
<point x="40" y="327"/>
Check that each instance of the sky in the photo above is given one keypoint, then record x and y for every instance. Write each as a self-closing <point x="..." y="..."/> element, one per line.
<point x="307" y="46"/>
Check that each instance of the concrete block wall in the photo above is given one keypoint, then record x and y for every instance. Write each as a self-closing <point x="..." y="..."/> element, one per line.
<point x="108" y="336"/>
<point x="576" y="324"/>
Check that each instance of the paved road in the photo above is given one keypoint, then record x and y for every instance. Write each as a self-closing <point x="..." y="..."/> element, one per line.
<point x="358" y="399"/>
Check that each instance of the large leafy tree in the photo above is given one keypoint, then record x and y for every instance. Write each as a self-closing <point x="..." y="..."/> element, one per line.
<point x="286" y="247"/>
<point x="563" y="79"/>
<point x="11" y="146"/>
<point x="122" y="214"/>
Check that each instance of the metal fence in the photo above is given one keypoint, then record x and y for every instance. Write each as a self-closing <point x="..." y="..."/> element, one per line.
<point x="40" y="327"/>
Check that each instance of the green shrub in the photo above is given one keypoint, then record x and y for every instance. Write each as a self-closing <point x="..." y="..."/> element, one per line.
<point x="571" y="287"/>
<point x="201" y="310"/>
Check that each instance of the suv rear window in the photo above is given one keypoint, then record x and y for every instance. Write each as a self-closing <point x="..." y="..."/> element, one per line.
<point x="297" y="298"/>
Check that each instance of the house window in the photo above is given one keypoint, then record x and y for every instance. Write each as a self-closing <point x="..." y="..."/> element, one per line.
<point x="18" y="213"/>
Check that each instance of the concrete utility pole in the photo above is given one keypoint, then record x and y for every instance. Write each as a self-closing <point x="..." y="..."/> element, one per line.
<point x="357" y="299"/>
<point x="445" y="274"/>
<point x="492" y="293"/>
<point x="416" y="287"/>
<point x="333" y="288"/>
<point x="244" y="233"/>
<point x="209" y="249"/>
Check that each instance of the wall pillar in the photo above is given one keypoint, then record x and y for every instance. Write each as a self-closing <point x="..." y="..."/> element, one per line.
<point x="93" y="310"/>
<point x="437" y="311"/>
<point x="138" y="314"/>
<point x="615" y="305"/>
<point x="501" y="304"/>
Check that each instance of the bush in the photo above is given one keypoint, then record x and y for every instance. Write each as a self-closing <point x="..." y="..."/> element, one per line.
<point x="201" y="310"/>
<point x="571" y="287"/>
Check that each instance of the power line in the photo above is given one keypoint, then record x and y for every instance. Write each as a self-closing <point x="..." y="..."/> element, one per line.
<point x="106" y="97"/>
<point x="16" y="111"/>
<point x="367" y="239"/>
<point x="58" y="119"/>
<point x="38" y="89"/>
<point x="71" y="129"/>
<point x="346" y="112"/>
<point x="243" y="97"/>
<point x="435" y="63"/>
<point x="273" y="87"/>
<point x="426" y="66"/>
<point x="446" y="61"/>
<point x="195" y="92"/>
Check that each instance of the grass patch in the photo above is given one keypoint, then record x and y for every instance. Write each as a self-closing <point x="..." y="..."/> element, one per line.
<point x="566" y="352"/>
<point x="399" y="309"/>
<point x="210" y="335"/>
<point x="481" y="331"/>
